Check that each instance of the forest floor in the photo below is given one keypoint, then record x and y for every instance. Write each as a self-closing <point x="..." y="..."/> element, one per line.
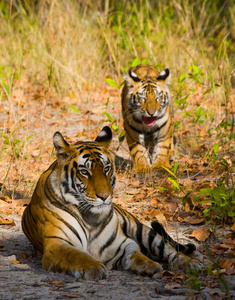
<point x="33" y="115"/>
<point x="22" y="276"/>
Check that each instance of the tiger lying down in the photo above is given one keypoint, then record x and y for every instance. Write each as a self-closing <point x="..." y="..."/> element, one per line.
<point x="73" y="224"/>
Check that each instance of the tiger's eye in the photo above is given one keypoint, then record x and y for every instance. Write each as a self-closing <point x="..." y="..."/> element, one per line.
<point x="107" y="169"/>
<point x="84" y="172"/>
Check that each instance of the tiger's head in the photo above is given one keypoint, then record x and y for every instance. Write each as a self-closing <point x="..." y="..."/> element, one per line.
<point x="146" y="93"/>
<point x="84" y="176"/>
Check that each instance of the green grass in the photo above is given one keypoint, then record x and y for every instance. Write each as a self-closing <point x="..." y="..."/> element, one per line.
<point x="65" y="44"/>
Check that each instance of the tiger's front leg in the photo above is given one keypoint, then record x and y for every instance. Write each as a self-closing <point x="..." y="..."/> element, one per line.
<point x="162" y="159"/>
<point x="139" y="153"/>
<point x="163" y="149"/>
<point x="63" y="258"/>
<point x="141" y="163"/>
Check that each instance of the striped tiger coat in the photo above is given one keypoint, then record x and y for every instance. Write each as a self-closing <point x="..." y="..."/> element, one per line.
<point x="76" y="229"/>
<point x="148" y="124"/>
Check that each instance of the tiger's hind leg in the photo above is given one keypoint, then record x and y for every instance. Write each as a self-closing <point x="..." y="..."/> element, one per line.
<point x="157" y="244"/>
<point x="180" y="261"/>
<point x="135" y="261"/>
<point x="179" y="257"/>
<point x="63" y="258"/>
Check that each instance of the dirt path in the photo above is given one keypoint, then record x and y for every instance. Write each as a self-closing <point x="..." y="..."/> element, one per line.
<point x="23" y="278"/>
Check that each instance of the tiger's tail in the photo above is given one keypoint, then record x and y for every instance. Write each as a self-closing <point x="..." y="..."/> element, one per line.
<point x="158" y="229"/>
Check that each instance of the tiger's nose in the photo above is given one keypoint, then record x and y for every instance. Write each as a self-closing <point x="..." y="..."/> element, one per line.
<point x="151" y="113"/>
<point x="102" y="196"/>
<point x="151" y="110"/>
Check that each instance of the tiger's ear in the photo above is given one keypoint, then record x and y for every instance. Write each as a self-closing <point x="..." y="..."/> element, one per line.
<point x="61" y="146"/>
<point x="165" y="76"/>
<point x="133" y="76"/>
<point x="105" y="137"/>
<point x="130" y="77"/>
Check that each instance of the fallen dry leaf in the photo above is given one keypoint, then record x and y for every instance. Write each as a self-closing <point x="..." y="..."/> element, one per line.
<point x="6" y="199"/>
<point x="227" y="263"/>
<point x="201" y="234"/>
<point x="153" y="213"/>
<point x="224" y="246"/>
<point x="35" y="153"/>
<point x="154" y="202"/>
<point x="156" y="213"/>
<point x="185" y="214"/>
<point x="1" y="245"/>
<point x="7" y="221"/>
<point x="171" y="286"/>
<point x="166" y="275"/>
<point x="80" y="134"/>
<point x="186" y="207"/>
<point x="194" y="220"/>
<point x="222" y="249"/>
<point x="218" y="272"/>
<point x="179" y="278"/>
<point x="135" y="183"/>
<point x="230" y="271"/>
<point x="139" y="197"/>
<point x="161" y="218"/>
<point x="132" y="191"/>
<point x="71" y="296"/>
<point x="48" y="116"/>
<point x="217" y="293"/>
<point x="181" y="220"/>
<point x="56" y="282"/>
<point x="15" y="261"/>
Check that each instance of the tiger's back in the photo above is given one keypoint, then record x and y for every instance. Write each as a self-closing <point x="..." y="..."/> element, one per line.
<point x="147" y="115"/>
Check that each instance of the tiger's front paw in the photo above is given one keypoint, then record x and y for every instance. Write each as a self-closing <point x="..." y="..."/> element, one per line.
<point x="143" y="265"/>
<point x="75" y="263"/>
<point x="91" y="272"/>
<point x="160" y="164"/>
<point x="142" y="170"/>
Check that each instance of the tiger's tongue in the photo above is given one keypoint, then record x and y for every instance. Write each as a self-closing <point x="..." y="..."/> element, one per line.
<point x="149" y="121"/>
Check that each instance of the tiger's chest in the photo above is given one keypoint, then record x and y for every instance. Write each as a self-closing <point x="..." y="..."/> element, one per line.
<point x="106" y="239"/>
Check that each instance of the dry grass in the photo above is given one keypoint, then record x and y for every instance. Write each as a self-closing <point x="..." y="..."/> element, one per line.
<point x="57" y="58"/>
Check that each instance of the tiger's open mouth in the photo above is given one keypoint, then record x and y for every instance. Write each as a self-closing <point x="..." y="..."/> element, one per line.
<point x="149" y="121"/>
